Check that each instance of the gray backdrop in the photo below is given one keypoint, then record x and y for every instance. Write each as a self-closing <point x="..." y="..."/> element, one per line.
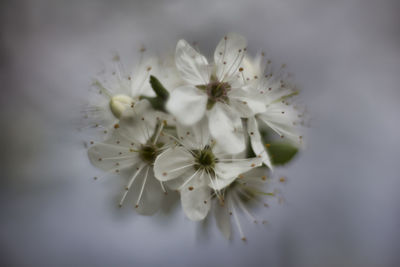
<point x="342" y="194"/>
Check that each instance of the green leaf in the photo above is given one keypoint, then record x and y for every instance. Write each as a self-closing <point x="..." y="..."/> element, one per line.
<point x="158" y="88"/>
<point x="281" y="153"/>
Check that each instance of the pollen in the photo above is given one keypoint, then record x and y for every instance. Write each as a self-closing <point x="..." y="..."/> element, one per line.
<point x="282" y="179"/>
<point x="264" y="178"/>
<point x="253" y="165"/>
<point x="164" y="174"/>
<point x="240" y="69"/>
<point x="190" y="188"/>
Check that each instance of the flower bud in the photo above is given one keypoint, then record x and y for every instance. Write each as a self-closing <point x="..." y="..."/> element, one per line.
<point x="119" y="103"/>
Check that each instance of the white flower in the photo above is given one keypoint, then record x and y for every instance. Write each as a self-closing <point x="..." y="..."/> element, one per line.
<point x="196" y="168"/>
<point x="214" y="90"/>
<point x="122" y="91"/>
<point x="132" y="148"/>
<point x="280" y="114"/>
<point x="244" y="194"/>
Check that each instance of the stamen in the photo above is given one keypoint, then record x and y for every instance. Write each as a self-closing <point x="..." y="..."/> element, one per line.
<point x="189" y="179"/>
<point x="143" y="185"/>
<point x="237" y="220"/>
<point x="127" y="188"/>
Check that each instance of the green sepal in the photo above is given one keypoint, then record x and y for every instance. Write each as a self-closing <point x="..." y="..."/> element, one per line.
<point x="158" y="88"/>
<point x="281" y="153"/>
<point x="158" y="102"/>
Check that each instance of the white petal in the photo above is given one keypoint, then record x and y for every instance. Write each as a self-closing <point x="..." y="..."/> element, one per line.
<point x="246" y="103"/>
<point x="192" y="66"/>
<point x="187" y="104"/>
<point x="226" y="127"/>
<point x="256" y="141"/>
<point x="196" y="136"/>
<point x="196" y="201"/>
<point x="223" y="219"/>
<point x="151" y="196"/>
<point x="140" y="78"/>
<point x="108" y="156"/>
<point x="283" y="120"/>
<point x="172" y="163"/>
<point x="231" y="51"/>
<point x="229" y="170"/>
<point x="219" y="184"/>
<point x="138" y="123"/>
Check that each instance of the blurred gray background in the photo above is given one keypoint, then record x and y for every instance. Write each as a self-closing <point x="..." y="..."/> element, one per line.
<point x="343" y="190"/>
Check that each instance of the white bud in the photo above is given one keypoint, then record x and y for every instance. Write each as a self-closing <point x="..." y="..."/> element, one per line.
<point x="119" y="103"/>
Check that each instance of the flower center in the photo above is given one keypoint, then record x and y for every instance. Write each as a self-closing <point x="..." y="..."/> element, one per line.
<point x="217" y="91"/>
<point x="119" y="103"/>
<point x="205" y="159"/>
<point x="148" y="153"/>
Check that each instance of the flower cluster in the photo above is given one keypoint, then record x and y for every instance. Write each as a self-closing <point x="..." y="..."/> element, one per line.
<point x="211" y="130"/>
